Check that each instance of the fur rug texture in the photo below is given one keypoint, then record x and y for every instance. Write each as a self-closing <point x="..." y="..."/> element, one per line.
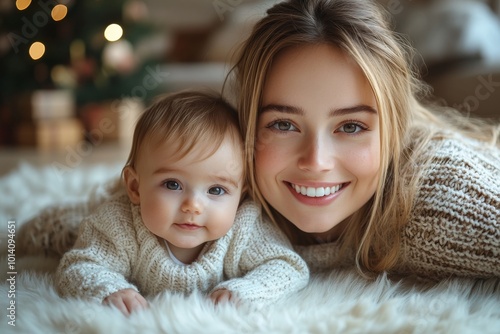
<point x="336" y="302"/>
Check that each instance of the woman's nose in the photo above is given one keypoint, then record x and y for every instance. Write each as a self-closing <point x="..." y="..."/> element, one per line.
<point x="316" y="156"/>
<point x="192" y="204"/>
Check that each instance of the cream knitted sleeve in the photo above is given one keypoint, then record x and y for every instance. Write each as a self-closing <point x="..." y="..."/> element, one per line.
<point x="455" y="225"/>
<point x="260" y="263"/>
<point x="101" y="260"/>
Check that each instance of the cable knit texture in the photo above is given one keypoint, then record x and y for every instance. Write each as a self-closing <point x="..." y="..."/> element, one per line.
<point x="115" y="251"/>
<point x="455" y="222"/>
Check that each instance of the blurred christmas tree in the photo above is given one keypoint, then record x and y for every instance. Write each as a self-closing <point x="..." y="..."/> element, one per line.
<point x="100" y="50"/>
<point x="77" y="53"/>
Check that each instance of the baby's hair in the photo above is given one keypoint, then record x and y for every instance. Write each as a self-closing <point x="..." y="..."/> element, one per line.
<point x="186" y="119"/>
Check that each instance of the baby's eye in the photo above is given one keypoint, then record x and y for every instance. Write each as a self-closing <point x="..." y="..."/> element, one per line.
<point x="172" y="185"/>
<point x="283" y="126"/>
<point x="216" y="191"/>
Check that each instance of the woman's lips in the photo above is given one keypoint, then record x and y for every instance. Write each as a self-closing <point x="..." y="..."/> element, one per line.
<point x="317" y="196"/>
<point x="317" y="191"/>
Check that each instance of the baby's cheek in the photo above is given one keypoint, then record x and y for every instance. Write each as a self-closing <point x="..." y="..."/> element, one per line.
<point x="154" y="215"/>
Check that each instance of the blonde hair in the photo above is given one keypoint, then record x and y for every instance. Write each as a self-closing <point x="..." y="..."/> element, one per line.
<point x="185" y="119"/>
<point x="360" y="29"/>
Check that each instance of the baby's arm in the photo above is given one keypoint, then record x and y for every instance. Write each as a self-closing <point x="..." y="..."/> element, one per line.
<point x="261" y="263"/>
<point x="101" y="260"/>
<point x="127" y="301"/>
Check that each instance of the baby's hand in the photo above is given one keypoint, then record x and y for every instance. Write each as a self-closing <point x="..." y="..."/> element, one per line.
<point x="126" y="300"/>
<point x="223" y="296"/>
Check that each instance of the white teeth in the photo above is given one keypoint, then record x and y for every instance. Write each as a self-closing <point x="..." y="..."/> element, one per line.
<point x="303" y="190"/>
<point x="316" y="192"/>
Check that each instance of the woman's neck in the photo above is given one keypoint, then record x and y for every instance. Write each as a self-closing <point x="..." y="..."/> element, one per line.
<point x="185" y="255"/>
<point x="331" y="235"/>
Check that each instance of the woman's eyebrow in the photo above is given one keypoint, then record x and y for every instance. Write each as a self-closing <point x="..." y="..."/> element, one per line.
<point x="335" y="112"/>
<point x="352" y="110"/>
<point x="281" y="108"/>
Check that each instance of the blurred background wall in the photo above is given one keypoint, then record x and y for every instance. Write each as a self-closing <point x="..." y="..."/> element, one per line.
<point x="73" y="71"/>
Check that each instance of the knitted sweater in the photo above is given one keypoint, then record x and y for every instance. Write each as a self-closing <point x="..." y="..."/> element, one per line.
<point x="454" y="228"/>
<point x="115" y="251"/>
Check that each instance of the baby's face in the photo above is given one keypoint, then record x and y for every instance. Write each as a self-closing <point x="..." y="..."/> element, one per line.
<point x="190" y="201"/>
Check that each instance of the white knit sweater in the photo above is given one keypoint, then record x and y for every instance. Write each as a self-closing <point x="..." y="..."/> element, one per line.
<point x="455" y="222"/>
<point x="115" y="251"/>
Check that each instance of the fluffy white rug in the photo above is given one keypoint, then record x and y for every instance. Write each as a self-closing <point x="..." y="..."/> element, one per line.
<point x="335" y="302"/>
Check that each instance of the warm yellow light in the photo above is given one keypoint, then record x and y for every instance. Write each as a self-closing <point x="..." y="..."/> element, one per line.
<point x="113" y="32"/>
<point x="59" y="12"/>
<point x="37" y="50"/>
<point x="22" y="4"/>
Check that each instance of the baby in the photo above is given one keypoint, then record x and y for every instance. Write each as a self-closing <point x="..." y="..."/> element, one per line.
<point x="178" y="222"/>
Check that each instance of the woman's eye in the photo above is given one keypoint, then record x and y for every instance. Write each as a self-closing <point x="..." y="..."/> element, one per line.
<point x="172" y="185"/>
<point x="283" y="126"/>
<point x="351" y="128"/>
<point x="216" y="191"/>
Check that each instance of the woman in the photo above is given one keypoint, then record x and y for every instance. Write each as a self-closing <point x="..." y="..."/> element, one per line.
<point x="348" y="162"/>
<point x="344" y="157"/>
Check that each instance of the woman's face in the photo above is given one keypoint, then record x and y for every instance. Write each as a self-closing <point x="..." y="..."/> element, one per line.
<point x="317" y="154"/>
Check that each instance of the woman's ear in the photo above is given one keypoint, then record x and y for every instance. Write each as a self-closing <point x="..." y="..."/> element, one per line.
<point x="132" y="183"/>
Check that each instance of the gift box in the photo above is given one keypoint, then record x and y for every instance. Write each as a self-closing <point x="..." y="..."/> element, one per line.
<point x="111" y="120"/>
<point x="50" y="134"/>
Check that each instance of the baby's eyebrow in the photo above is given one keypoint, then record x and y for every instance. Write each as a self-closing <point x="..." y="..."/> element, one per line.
<point x="163" y="170"/>
<point x="223" y="179"/>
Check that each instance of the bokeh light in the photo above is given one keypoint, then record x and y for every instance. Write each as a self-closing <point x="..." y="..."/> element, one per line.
<point x="59" y="12"/>
<point x="22" y="4"/>
<point x="113" y="32"/>
<point x="37" y="50"/>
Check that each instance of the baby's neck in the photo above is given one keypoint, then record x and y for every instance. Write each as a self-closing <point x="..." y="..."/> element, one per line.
<point x="185" y="255"/>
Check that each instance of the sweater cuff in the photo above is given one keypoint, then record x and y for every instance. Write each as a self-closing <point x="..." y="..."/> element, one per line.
<point x="259" y="293"/>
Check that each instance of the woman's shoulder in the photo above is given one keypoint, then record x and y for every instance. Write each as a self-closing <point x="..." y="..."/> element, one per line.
<point x="461" y="175"/>
<point x="452" y="155"/>
<point x="456" y="210"/>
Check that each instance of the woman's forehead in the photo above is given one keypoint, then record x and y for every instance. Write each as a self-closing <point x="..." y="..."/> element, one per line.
<point x="316" y="72"/>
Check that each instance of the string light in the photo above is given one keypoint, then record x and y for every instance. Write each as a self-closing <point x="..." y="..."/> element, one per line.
<point x="113" y="32"/>
<point x="37" y="50"/>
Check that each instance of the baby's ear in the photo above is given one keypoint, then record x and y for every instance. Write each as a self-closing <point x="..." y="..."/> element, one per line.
<point x="132" y="183"/>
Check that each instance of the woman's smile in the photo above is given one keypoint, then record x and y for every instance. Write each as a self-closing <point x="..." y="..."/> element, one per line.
<point x="316" y="196"/>
<point x="313" y="191"/>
